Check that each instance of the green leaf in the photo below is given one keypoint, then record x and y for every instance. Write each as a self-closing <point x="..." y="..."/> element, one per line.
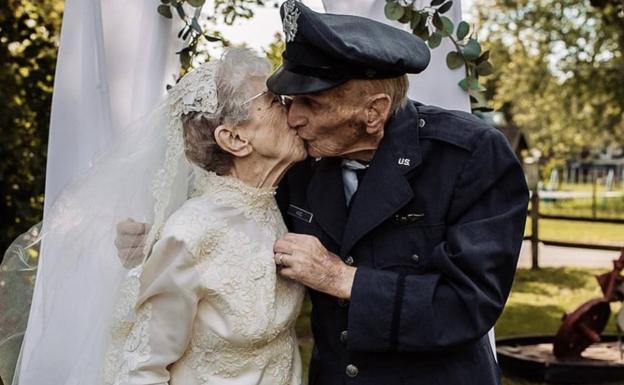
<point x="469" y="83"/>
<point x="448" y="26"/>
<point x="416" y="17"/>
<point x="454" y="60"/>
<point x="484" y="57"/>
<point x="463" y="84"/>
<point x="165" y="11"/>
<point x="462" y="30"/>
<point x="435" y="3"/>
<point x="422" y="33"/>
<point x="393" y="11"/>
<point x="472" y="50"/>
<point x="473" y="84"/>
<point x="180" y="11"/>
<point x="445" y="7"/>
<point x="407" y="15"/>
<point x="437" y="22"/>
<point x="485" y="68"/>
<point x="435" y="40"/>
<point x="196" y="3"/>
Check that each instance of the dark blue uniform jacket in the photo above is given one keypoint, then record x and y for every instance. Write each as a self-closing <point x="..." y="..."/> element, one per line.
<point x="435" y="230"/>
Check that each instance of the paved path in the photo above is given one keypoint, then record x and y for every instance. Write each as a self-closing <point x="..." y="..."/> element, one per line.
<point x="554" y="256"/>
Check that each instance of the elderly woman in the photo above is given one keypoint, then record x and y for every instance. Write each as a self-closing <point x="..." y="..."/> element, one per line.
<point x="211" y="308"/>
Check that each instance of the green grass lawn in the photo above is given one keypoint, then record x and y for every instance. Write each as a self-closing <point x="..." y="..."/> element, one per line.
<point x="605" y="207"/>
<point x="539" y="299"/>
<point x="537" y="302"/>
<point x="582" y="207"/>
<point x="580" y="232"/>
<point x="600" y="187"/>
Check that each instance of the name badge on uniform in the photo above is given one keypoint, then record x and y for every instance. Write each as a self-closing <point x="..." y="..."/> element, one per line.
<point x="408" y="218"/>
<point x="300" y="213"/>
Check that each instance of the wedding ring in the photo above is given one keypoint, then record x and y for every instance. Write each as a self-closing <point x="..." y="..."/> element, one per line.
<point x="279" y="261"/>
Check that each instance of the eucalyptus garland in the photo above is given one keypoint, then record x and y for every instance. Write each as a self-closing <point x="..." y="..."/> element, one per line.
<point x="194" y="30"/>
<point x="430" y="24"/>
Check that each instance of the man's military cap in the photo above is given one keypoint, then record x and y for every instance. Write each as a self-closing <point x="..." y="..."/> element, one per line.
<point x="326" y="50"/>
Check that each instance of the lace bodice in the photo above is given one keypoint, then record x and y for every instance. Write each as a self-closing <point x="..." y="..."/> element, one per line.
<point x="211" y="308"/>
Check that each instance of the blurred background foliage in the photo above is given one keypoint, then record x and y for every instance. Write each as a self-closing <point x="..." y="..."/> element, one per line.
<point x="559" y="70"/>
<point x="558" y="74"/>
<point x="29" y="36"/>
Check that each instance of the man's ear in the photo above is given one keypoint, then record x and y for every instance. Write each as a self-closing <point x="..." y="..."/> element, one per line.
<point x="231" y="141"/>
<point x="377" y="112"/>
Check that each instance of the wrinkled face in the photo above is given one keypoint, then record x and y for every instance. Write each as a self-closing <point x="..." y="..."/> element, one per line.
<point x="269" y="133"/>
<point x="330" y="122"/>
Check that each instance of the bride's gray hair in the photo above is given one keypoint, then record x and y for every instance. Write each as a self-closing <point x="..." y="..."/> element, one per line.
<point x="236" y="69"/>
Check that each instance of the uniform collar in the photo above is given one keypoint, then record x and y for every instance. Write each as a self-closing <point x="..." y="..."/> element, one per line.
<point x="385" y="187"/>
<point x="401" y="139"/>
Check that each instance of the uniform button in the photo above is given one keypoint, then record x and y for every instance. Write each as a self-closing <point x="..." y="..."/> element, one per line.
<point x="416" y="258"/>
<point x="421" y="122"/>
<point x="352" y="370"/>
<point x="349" y="260"/>
<point x="343" y="303"/>
<point x="344" y="335"/>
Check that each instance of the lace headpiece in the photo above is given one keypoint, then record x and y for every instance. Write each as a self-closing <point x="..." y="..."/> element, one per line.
<point x="195" y="92"/>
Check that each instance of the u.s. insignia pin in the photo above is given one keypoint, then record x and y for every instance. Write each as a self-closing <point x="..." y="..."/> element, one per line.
<point x="291" y="14"/>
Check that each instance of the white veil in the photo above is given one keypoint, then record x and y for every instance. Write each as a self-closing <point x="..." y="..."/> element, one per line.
<point x="144" y="175"/>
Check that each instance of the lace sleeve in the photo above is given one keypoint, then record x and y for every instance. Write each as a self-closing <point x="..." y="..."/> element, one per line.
<point x="166" y="307"/>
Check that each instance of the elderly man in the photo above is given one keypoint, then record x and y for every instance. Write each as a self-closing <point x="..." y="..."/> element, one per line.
<point x="408" y="223"/>
<point x="407" y="220"/>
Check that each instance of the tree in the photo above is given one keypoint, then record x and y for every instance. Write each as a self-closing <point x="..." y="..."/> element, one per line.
<point x="275" y="49"/>
<point x="29" y="35"/>
<point x="560" y="70"/>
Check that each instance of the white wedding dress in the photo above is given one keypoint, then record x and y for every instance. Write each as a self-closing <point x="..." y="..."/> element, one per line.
<point x="211" y="307"/>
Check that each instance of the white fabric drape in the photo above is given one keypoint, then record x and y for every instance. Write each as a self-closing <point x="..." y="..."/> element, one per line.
<point x="437" y="85"/>
<point x="114" y="60"/>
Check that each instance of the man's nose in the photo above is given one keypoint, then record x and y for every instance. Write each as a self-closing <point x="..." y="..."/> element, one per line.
<point x="295" y="118"/>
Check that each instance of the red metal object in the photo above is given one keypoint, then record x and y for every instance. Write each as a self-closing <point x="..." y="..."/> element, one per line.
<point x="583" y="327"/>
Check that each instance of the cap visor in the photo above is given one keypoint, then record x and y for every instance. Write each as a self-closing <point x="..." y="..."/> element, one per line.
<point x="284" y="82"/>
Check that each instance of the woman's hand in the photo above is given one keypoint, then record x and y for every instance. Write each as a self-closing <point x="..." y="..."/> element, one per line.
<point x="304" y="259"/>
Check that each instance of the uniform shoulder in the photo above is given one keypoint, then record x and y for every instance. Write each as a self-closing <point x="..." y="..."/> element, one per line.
<point x="458" y="128"/>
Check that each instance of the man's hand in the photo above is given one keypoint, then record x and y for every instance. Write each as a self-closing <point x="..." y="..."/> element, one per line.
<point x="130" y="242"/>
<point x="303" y="258"/>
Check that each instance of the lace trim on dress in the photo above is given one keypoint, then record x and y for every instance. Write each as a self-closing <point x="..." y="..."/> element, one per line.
<point x="132" y="338"/>
<point x="256" y="203"/>
<point x="211" y="356"/>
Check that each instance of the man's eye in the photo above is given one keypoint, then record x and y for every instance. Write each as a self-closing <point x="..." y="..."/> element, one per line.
<point x="308" y="102"/>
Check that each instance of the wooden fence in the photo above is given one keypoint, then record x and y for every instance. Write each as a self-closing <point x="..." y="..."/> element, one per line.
<point x="535" y="239"/>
